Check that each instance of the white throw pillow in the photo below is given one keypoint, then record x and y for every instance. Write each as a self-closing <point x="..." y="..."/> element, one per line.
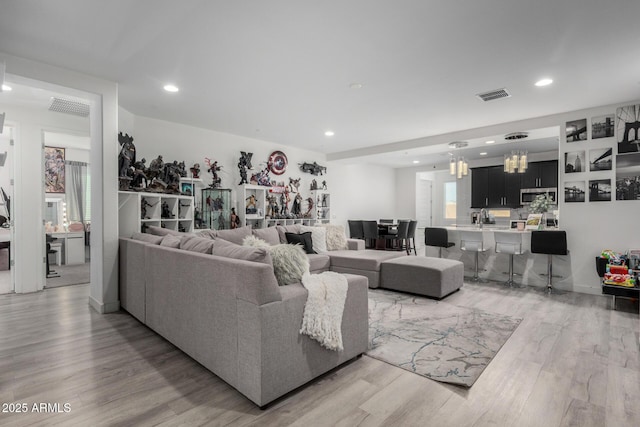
<point x="336" y="237"/>
<point x="290" y="262"/>
<point x="318" y="237"/>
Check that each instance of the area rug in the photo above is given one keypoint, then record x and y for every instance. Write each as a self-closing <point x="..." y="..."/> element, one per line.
<point x="435" y="339"/>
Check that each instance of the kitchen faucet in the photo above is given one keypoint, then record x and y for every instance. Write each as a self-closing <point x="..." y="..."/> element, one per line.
<point x="483" y="214"/>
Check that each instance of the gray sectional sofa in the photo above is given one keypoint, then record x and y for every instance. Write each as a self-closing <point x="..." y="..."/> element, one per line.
<point x="224" y="308"/>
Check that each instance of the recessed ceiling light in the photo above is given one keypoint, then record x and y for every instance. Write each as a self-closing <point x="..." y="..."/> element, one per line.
<point x="171" y="88"/>
<point x="355" y="85"/>
<point x="6" y="88"/>
<point x="329" y="133"/>
<point x="490" y="142"/>
<point x="416" y="161"/>
<point x="544" y="82"/>
<point x="484" y="153"/>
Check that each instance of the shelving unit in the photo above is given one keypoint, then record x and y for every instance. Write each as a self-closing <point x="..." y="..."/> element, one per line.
<point x="248" y="216"/>
<point x="216" y="208"/>
<point x="136" y="211"/>
<point x="321" y="212"/>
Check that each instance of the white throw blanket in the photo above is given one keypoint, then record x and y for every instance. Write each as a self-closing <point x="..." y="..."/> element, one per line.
<point x="322" y="318"/>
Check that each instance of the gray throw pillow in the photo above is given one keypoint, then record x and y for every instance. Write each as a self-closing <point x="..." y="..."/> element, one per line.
<point x="246" y="253"/>
<point x="148" y="238"/>
<point x="202" y="245"/>
<point x="269" y="235"/>
<point x="211" y="234"/>
<point x="234" y="236"/>
<point x="159" y="231"/>
<point x="171" y="241"/>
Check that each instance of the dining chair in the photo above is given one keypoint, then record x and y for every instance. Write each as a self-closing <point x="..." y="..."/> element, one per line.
<point x="411" y="237"/>
<point x="355" y="229"/>
<point x="370" y="229"/>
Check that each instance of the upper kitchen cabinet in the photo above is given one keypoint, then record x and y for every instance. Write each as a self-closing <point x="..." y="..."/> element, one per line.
<point x="541" y="175"/>
<point x="491" y="187"/>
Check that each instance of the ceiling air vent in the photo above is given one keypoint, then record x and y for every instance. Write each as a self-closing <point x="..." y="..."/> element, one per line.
<point x="515" y="136"/>
<point x="494" y="94"/>
<point x="69" y="106"/>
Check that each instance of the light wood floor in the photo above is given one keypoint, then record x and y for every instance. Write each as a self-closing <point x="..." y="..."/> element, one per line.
<point x="571" y="362"/>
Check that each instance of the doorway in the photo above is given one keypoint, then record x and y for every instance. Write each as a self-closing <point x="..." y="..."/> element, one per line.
<point x="6" y="195"/>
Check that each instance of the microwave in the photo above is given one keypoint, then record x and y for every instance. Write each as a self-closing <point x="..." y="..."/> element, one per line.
<point x="528" y="194"/>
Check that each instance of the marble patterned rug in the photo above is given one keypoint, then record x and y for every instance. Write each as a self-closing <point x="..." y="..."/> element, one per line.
<point x="434" y="339"/>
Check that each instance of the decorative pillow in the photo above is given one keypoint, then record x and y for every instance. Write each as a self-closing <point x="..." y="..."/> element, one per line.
<point x="211" y="234"/>
<point x="159" y="231"/>
<point x="290" y="263"/>
<point x="171" y="241"/>
<point x="304" y="239"/>
<point x="254" y="242"/>
<point x="246" y="253"/>
<point x="318" y="236"/>
<point x="234" y="236"/>
<point x="148" y="238"/>
<point x="202" y="245"/>
<point x="269" y="235"/>
<point x="295" y="228"/>
<point x="336" y="237"/>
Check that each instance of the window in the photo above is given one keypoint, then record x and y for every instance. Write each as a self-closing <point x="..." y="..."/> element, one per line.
<point x="450" y="200"/>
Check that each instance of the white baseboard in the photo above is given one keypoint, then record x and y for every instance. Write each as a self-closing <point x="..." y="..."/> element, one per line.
<point x="101" y="308"/>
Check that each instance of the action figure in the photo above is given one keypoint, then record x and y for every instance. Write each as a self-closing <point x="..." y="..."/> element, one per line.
<point x="138" y="174"/>
<point x="324" y="200"/>
<point x="127" y="156"/>
<point x="307" y="214"/>
<point x="314" y="185"/>
<point x="243" y="164"/>
<point x="251" y="207"/>
<point x="213" y="170"/>
<point x="166" y="212"/>
<point x="324" y="185"/>
<point x="294" y="184"/>
<point x="221" y="222"/>
<point x="296" y="208"/>
<point x="144" y="204"/>
<point x="234" y="220"/>
<point x="195" y="170"/>
<point x="155" y="168"/>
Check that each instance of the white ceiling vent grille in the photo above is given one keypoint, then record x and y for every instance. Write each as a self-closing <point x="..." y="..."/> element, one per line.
<point x="69" y="106"/>
<point x="494" y="94"/>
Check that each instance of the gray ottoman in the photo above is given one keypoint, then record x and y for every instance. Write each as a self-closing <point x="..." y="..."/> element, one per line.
<point x="432" y="277"/>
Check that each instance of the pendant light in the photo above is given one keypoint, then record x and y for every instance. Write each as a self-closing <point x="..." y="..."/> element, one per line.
<point x="458" y="167"/>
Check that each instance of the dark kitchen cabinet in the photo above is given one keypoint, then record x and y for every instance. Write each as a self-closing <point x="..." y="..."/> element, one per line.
<point x="479" y="188"/>
<point x="491" y="187"/>
<point x="541" y="175"/>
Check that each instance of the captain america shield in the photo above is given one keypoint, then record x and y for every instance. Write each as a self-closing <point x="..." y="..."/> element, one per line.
<point x="278" y="162"/>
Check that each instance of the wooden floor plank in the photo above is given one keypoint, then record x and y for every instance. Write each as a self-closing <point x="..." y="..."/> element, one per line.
<point x="572" y="362"/>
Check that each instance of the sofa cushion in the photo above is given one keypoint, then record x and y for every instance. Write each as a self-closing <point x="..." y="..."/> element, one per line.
<point x="159" y="231"/>
<point x="147" y="238"/>
<point x="319" y="262"/>
<point x="290" y="263"/>
<point x="202" y="245"/>
<point x="336" y="237"/>
<point x="282" y="229"/>
<point x="207" y="232"/>
<point x="247" y="253"/>
<point x="302" y="239"/>
<point x="171" y="241"/>
<point x="318" y="236"/>
<point x="234" y="236"/>
<point x="269" y="235"/>
<point x="369" y="260"/>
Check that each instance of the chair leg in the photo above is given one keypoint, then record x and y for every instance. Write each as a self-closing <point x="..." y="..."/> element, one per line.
<point x="550" y="272"/>
<point x="440" y="255"/>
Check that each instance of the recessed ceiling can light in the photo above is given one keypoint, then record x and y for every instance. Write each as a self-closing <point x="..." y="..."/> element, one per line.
<point x="6" y="88"/>
<point x="355" y="86"/>
<point x="171" y="88"/>
<point x="329" y="133"/>
<point x="416" y="161"/>
<point x="484" y="153"/>
<point x="544" y="82"/>
<point x="490" y="142"/>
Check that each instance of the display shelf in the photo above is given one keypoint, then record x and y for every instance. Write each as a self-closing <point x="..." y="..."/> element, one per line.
<point x="321" y="212"/>
<point x="253" y="205"/>
<point x="216" y="208"/>
<point x="138" y="210"/>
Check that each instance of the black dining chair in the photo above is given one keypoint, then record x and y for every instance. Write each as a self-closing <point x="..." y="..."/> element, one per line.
<point x="371" y="235"/>
<point x="438" y="237"/>
<point x="355" y="229"/>
<point x="549" y="242"/>
<point x="411" y="237"/>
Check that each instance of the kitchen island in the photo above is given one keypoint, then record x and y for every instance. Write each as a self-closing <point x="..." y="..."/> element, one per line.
<point x="530" y="269"/>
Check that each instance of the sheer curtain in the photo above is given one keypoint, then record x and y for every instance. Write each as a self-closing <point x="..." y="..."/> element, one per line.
<point x="77" y="176"/>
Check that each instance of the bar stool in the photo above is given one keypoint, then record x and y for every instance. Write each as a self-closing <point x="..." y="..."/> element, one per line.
<point x="551" y="242"/>
<point x="473" y="241"/>
<point x="509" y="242"/>
<point x="437" y="237"/>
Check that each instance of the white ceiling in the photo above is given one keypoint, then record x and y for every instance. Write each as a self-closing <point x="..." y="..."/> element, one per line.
<point x="281" y="70"/>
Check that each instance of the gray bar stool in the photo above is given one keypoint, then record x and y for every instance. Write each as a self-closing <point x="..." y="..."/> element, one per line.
<point x="509" y="242"/>
<point x="438" y="237"/>
<point x="549" y="242"/>
<point x="473" y="241"/>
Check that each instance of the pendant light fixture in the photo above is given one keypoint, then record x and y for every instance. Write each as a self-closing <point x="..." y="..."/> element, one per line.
<point x="458" y="166"/>
<point x="516" y="162"/>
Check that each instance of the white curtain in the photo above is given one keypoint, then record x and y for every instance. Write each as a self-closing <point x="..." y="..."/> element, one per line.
<point x="77" y="176"/>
